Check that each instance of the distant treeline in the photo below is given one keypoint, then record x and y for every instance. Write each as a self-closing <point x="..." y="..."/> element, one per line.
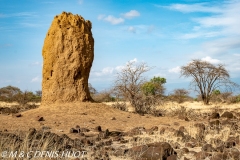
<point x="14" y="94"/>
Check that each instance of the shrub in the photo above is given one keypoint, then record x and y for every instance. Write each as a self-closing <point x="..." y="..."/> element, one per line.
<point x="179" y="95"/>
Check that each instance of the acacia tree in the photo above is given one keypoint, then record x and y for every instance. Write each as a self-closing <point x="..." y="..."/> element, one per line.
<point x="207" y="78"/>
<point x="128" y="84"/>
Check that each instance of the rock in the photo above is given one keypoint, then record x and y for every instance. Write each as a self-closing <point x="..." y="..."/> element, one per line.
<point x="39" y="118"/>
<point x="68" y="53"/>
<point x="152" y="130"/>
<point x="135" y="131"/>
<point x="84" y="130"/>
<point x="202" y="155"/>
<point x="157" y="113"/>
<point x="234" y="153"/>
<point x="190" y="145"/>
<point x="73" y="130"/>
<point x="219" y="156"/>
<point x="172" y="157"/>
<point x="178" y="133"/>
<point x="207" y="148"/>
<point x="230" y="144"/>
<point x="115" y="133"/>
<point x="201" y="126"/>
<point x="162" y="130"/>
<point x="98" y="129"/>
<point x="215" y="116"/>
<point x="234" y="139"/>
<point x="106" y="133"/>
<point x="220" y="148"/>
<point x="120" y="152"/>
<point x="182" y="129"/>
<point x="113" y="118"/>
<point x="185" y="150"/>
<point x="153" y="151"/>
<point x="17" y="115"/>
<point x="176" y="145"/>
<point x="227" y="115"/>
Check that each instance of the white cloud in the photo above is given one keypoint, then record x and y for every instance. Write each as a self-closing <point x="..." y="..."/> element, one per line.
<point x="104" y="71"/>
<point x="132" y="29"/>
<point x="133" y="60"/>
<point x="238" y="55"/>
<point x="107" y="70"/>
<point x="175" y="70"/>
<point x="131" y="14"/>
<point x="198" y="7"/>
<point x="119" y="68"/>
<point x="113" y="20"/>
<point x="223" y="19"/>
<point x="211" y="60"/>
<point x="36" y="79"/>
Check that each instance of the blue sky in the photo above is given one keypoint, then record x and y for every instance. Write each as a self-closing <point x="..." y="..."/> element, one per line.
<point x="166" y="34"/>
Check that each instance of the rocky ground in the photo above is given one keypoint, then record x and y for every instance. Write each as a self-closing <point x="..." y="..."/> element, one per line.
<point x="100" y="131"/>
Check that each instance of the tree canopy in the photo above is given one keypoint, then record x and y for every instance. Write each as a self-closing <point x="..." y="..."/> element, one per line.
<point x="207" y="78"/>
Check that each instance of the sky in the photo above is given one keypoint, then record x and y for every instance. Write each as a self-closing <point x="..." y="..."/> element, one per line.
<point x="165" y="34"/>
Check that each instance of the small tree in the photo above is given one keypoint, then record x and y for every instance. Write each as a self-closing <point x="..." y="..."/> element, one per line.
<point x="180" y="95"/>
<point x="128" y="83"/>
<point x="9" y="93"/>
<point x="207" y="78"/>
<point x="154" y="86"/>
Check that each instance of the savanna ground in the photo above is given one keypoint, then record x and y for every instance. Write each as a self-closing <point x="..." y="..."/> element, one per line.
<point x="194" y="130"/>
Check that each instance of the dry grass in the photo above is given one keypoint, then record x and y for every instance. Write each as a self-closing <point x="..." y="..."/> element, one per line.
<point x="60" y="118"/>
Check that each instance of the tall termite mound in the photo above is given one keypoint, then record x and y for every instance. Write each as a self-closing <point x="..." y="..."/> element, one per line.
<point x="67" y="60"/>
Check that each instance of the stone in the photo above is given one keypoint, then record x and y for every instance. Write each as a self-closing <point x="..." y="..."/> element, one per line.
<point x="227" y="115"/>
<point x="73" y="130"/>
<point x="153" y="151"/>
<point x="17" y="115"/>
<point x="202" y="155"/>
<point x="185" y="150"/>
<point x="219" y="156"/>
<point x="182" y="129"/>
<point x="178" y="133"/>
<point x="68" y="53"/>
<point x="39" y="118"/>
<point x="208" y="148"/>
<point x="98" y="129"/>
<point x="215" y="115"/>
<point x="172" y="157"/>
<point x="113" y="118"/>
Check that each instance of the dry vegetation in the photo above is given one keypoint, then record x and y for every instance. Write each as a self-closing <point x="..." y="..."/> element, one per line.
<point x="134" y="120"/>
<point x="191" y="129"/>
